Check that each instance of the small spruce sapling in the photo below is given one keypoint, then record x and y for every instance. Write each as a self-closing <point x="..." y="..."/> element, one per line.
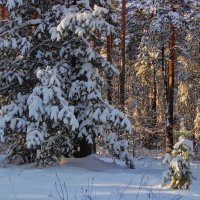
<point x="178" y="162"/>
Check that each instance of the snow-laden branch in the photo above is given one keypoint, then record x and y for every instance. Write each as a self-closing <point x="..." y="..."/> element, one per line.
<point x="28" y="23"/>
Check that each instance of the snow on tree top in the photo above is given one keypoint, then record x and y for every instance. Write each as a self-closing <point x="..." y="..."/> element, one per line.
<point x="186" y="143"/>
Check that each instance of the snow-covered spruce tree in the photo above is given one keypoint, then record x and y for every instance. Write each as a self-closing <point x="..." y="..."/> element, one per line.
<point x="178" y="162"/>
<point x="182" y="131"/>
<point x="53" y="76"/>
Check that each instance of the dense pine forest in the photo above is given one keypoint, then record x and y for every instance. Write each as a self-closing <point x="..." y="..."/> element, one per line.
<point x="77" y="76"/>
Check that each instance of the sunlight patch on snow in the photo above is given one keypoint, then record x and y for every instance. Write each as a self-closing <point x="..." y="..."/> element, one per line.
<point x="30" y="196"/>
<point x="196" y="195"/>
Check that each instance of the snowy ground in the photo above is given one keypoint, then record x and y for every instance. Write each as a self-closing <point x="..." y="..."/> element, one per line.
<point x="96" y="177"/>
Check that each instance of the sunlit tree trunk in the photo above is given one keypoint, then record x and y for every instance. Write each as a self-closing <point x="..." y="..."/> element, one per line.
<point x="154" y="99"/>
<point x="123" y="55"/>
<point x="170" y="94"/>
<point x="164" y="71"/>
<point x="34" y="16"/>
<point x="4" y="14"/>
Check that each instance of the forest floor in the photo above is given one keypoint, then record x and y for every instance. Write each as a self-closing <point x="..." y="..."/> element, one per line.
<point x="92" y="178"/>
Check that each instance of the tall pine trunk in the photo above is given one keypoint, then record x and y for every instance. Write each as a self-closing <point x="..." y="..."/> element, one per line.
<point x="170" y="94"/>
<point x="153" y="135"/>
<point x="164" y="71"/>
<point x="123" y="56"/>
<point x="154" y="104"/>
<point x="4" y="14"/>
<point x="154" y="99"/>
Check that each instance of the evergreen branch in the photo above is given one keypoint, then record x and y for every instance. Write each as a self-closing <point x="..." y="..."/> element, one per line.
<point x="28" y="23"/>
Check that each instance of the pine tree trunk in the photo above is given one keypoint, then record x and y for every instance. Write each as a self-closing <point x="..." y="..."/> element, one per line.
<point x="154" y="110"/>
<point x="34" y="16"/>
<point x="109" y="58"/>
<point x="85" y="148"/>
<point x="164" y="71"/>
<point x="4" y="14"/>
<point x="154" y="100"/>
<point x="123" y="56"/>
<point x="153" y="135"/>
<point x="154" y="105"/>
<point x="154" y="118"/>
<point x="170" y="96"/>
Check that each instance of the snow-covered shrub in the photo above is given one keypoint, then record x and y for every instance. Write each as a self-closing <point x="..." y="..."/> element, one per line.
<point x="178" y="163"/>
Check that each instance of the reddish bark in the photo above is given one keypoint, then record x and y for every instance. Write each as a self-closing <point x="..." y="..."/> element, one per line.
<point x="170" y="87"/>
<point x="34" y="16"/>
<point x="154" y="105"/>
<point x="4" y="13"/>
<point x="123" y="55"/>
